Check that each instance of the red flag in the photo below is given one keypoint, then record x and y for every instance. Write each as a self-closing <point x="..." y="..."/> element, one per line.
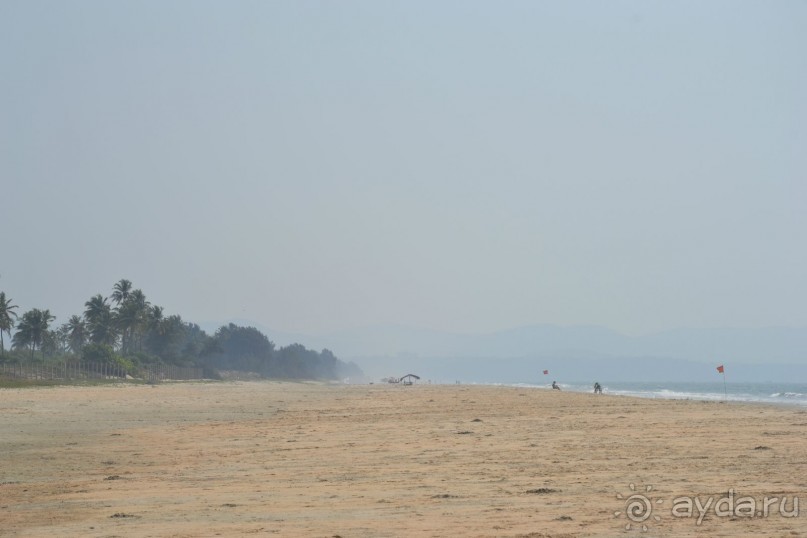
<point x="546" y="372"/>
<point x="720" y="368"/>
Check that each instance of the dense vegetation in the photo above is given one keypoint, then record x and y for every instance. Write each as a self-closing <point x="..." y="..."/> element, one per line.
<point x="127" y="329"/>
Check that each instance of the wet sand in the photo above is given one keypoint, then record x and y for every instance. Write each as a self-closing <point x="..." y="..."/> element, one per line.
<point x="294" y="459"/>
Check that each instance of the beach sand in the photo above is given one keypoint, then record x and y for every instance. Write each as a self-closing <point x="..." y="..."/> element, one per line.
<point x="297" y="459"/>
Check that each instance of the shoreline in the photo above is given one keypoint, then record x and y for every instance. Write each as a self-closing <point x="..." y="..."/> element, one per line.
<point x="784" y="404"/>
<point x="301" y="459"/>
<point x="666" y="394"/>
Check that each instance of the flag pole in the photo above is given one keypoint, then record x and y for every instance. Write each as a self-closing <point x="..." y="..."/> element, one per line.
<point x="722" y="370"/>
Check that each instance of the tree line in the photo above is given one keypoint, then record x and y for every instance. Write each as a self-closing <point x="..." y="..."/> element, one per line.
<point x="127" y="329"/>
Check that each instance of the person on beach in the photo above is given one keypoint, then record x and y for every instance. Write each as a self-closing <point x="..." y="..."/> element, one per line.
<point x="597" y="388"/>
<point x="555" y="385"/>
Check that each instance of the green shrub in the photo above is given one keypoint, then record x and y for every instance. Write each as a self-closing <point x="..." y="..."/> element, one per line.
<point x="103" y="353"/>
<point x="98" y="353"/>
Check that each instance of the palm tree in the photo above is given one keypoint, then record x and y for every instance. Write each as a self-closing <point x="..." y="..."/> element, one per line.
<point x="126" y="319"/>
<point x="121" y="290"/>
<point x="76" y="333"/>
<point x="24" y="335"/>
<point x="6" y="323"/>
<point x="138" y="298"/>
<point x="100" y="321"/>
<point x="50" y="343"/>
<point x="131" y="316"/>
<point x="165" y="336"/>
<point x="155" y="317"/>
<point x="33" y="329"/>
<point x="63" y="337"/>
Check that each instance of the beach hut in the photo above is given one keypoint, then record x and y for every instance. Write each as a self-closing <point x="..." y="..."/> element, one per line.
<point x="408" y="379"/>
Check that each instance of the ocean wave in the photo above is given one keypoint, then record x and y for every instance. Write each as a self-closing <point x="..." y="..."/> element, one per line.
<point x="795" y="394"/>
<point x="790" y="394"/>
<point x="784" y="397"/>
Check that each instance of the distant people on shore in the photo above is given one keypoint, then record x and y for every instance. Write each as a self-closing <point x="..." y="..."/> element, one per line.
<point x="555" y="385"/>
<point x="597" y="388"/>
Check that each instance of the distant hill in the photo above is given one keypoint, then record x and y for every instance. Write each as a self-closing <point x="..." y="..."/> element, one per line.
<point x="511" y="355"/>
<point x="529" y="370"/>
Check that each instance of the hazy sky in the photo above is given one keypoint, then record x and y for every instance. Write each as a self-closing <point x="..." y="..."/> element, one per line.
<point x="466" y="166"/>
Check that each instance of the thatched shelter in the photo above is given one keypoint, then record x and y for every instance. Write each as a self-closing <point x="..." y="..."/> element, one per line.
<point x="409" y="379"/>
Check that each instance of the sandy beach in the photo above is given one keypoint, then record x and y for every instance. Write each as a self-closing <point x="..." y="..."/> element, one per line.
<point x="297" y="459"/>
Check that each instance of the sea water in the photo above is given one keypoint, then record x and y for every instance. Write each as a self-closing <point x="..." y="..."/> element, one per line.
<point x="770" y="393"/>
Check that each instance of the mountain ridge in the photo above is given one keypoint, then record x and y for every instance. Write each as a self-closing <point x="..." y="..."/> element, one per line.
<point x="755" y="345"/>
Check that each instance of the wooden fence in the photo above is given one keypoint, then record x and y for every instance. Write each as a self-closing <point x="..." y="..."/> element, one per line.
<point x="77" y="370"/>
